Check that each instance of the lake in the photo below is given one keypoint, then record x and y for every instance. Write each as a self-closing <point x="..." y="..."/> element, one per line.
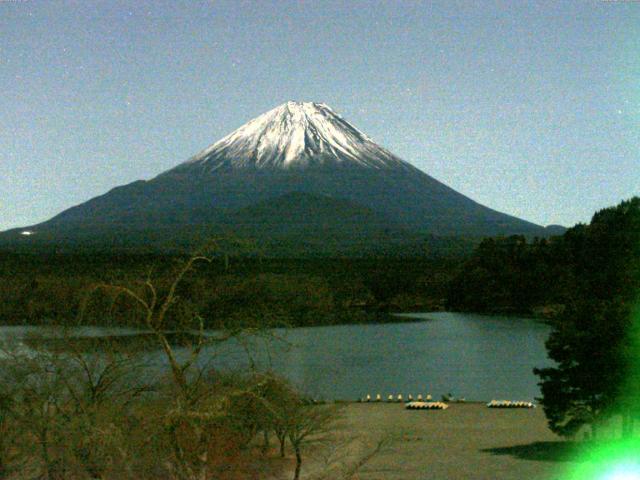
<point x="472" y="356"/>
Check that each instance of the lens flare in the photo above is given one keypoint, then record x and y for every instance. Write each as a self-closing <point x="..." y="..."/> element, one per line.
<point x="623" y="472"/>
<point x="611" y="459"/>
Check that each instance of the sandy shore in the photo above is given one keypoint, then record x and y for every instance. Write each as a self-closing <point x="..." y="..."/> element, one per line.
<point x="466" y="441"/>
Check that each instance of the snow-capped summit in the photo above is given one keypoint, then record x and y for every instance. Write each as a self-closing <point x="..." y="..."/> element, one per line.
<point x="294" y="135"/>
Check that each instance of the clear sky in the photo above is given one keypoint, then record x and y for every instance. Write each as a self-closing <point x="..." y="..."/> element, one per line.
<point x="531" y="108"/>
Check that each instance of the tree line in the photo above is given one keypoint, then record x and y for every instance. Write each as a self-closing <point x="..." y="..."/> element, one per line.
<point x="41" y="289"/>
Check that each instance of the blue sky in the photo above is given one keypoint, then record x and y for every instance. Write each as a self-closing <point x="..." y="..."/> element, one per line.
<point x="531" y="108"/>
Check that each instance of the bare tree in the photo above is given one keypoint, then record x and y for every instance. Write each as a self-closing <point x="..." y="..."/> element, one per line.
<point x="69" y="403"/>
<point x="156" y="304"/>
<point x="351" y="471"/>
<point x="306" y="424"/>
<point x="345" y="456"/>
<point x="38" y="408"/>
<point x="198" y="414"/>
<point x="101" y="388"/>
<point x="155" y="309"/>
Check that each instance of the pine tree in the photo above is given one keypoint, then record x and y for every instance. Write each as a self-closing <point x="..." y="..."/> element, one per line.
<point x="595" y="343"/>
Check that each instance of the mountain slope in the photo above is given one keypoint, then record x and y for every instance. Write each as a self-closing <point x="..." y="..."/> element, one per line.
<point x="305" y="213"/>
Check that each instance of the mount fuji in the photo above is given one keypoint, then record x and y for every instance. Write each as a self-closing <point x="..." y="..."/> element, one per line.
<point x="298" y="171"/>
<point x="295" y="135"/>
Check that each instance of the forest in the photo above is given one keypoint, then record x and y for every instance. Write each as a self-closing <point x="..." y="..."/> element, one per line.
<point x="546" y="275"/>
<point x="50" y="288"/>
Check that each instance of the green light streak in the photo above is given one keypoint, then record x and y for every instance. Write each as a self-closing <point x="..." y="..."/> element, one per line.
<point x="617" y="459"/>
<point x="608" y="461"/>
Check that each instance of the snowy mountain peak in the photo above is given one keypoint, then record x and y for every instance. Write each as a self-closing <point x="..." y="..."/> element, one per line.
<point x="295" y="135"/>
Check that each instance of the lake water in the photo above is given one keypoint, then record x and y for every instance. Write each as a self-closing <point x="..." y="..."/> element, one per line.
<point x="472" y="356"/>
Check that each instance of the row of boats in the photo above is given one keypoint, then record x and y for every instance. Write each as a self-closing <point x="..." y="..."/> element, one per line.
<point x="509" y="404"/>
<point x="426" y="403"/>
<point x="396" y="399"/>
<point x="426" y="406"/>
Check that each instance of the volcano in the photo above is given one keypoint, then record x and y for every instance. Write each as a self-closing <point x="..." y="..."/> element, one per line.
<point x="299" y="169"/>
